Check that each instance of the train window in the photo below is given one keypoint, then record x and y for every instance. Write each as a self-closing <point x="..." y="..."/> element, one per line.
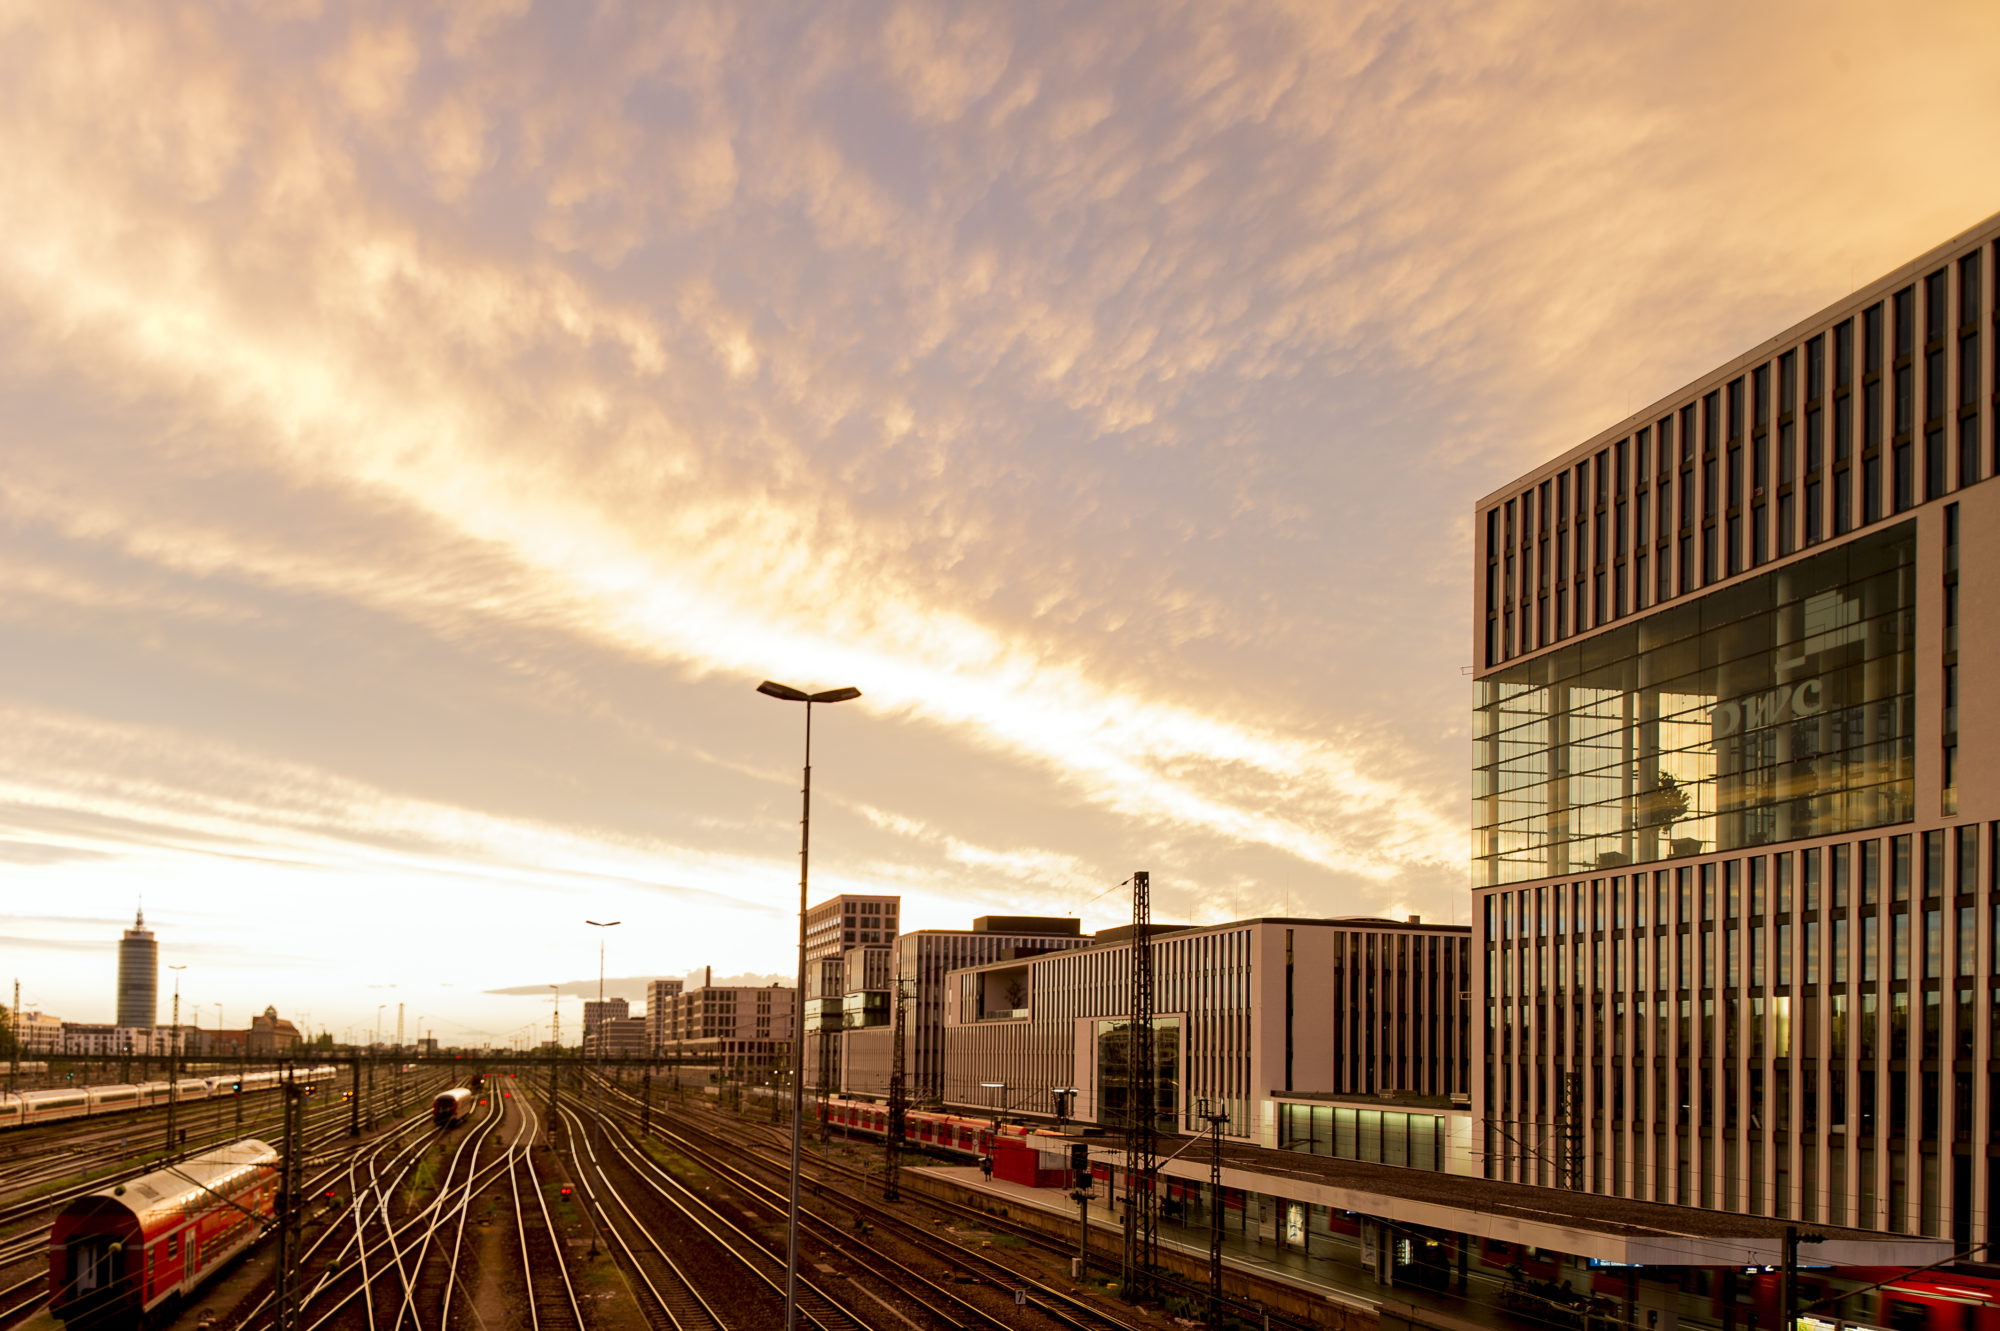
<point x="1907" y="1316"/>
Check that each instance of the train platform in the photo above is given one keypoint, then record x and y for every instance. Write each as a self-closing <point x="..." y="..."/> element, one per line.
<point x="1325" y="1273"/>
<point x="1446" y="1251"/>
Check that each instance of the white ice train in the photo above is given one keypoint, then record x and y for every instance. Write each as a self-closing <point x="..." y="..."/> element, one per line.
<point x="32" y="1107"/>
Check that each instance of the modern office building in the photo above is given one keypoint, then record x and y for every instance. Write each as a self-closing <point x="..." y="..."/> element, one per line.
<point x="1736" y="786"/>
<point x="734" y="1027"/>
<point x="38" y="1032"/>
<point x="837" y="924"/>
<point x="93" y="1039"/>
<point x="847" y="992"/>
<point x="659" y="999"/>
<point x="138" y="975"/>
<point x="1264" y="1019"/>
<point x="597" y="1010"/>
<point x="617" y="1037"/>
<point x="923" y="959"/>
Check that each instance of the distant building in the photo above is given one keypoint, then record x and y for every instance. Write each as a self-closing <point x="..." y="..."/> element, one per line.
<point x="219" y="1043"/>
<point x="1267" y="1020"/>
<point x="271" y="1035"/>
<point x="923" y="958"/>
<point x="608" y="1009"/>
<point x="659" y="997"/>
<point x="138" y="976"/>
<point x="737" y="1028"/>
<point x="619" y="1036"/>
<point x="93" y="1039"/>
<point x="38" y="1032"/>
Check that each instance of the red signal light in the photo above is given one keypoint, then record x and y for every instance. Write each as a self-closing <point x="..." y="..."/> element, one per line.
<point x="565" y="1189"/>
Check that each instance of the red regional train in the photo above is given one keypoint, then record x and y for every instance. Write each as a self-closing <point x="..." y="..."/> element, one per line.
<point x="133" y="1251"/>
<point x="1924" y="1301"/>
<point x="955" y="1133"/>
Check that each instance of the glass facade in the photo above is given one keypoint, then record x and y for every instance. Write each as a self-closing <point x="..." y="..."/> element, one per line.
<point x="1381" y="1136"/>
<point x="1776" y="708"/>
<point x="1115" y="1089"/>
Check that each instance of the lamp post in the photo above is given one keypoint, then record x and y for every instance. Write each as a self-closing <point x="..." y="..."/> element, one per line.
<point x="597" y="1099"/>
<point x="173" y="1059"/>
<point x="786" y="693"/>
<point x="555" y="1056"/>
<point x="597" y="1088"/>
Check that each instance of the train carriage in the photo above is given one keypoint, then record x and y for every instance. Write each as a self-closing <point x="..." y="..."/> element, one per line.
<point x="124" y="1254"/>
<point x="450" y="1108"/>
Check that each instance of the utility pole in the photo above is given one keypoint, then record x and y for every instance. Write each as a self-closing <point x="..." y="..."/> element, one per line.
<point x="1142" y="1138"/>
<point x="1569" y="1129"/>
<point x="1211" y="1114"/>
<point x="899" y="1108"/>
<point x="14" y="1039"/>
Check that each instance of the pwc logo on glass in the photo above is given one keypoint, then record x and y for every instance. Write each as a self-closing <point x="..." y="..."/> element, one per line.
<point x="1787" y="702"/>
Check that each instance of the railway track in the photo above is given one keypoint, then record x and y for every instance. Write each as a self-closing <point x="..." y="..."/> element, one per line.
<point x="24" y="1252"/>
<point x="676" y="1304"/>
<point x="991" y="1306"/>
<point x="742" y="1144"/>
<point x="382" y="1271"/>
<point x="552" y="1304"/>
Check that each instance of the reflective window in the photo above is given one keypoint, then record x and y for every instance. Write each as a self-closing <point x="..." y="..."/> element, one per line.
<point x="1776" y="709"/>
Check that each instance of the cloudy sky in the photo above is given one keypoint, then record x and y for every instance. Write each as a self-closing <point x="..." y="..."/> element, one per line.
<point x="421" y="427"/>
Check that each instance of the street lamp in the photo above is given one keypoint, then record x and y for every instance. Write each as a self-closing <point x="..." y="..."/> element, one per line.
<point x="597" y="1089"/>
<point x="597" y="1100"/>
<point x="786" y="693"/>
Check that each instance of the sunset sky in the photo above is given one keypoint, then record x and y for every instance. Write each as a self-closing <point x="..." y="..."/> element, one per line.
<point x="421" y="427"/>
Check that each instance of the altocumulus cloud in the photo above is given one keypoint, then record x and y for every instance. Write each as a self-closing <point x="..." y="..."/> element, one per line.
<point x="426" y="422"/>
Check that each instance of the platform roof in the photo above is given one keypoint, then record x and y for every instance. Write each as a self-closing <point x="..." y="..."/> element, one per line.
<point x="1610" y="1229"/>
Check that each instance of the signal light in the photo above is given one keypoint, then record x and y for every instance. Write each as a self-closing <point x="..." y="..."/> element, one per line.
<point x="329" y="1195"/>
<point x="565" y="1189"/>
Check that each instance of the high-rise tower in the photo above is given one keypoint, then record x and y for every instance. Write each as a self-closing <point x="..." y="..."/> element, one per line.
<point x="138" y="975"/>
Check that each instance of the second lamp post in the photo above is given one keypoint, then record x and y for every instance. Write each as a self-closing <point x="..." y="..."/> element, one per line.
<point x="789" y="694"/>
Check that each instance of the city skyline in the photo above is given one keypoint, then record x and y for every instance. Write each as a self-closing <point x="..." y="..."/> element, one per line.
<point x="424" y="432"/>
